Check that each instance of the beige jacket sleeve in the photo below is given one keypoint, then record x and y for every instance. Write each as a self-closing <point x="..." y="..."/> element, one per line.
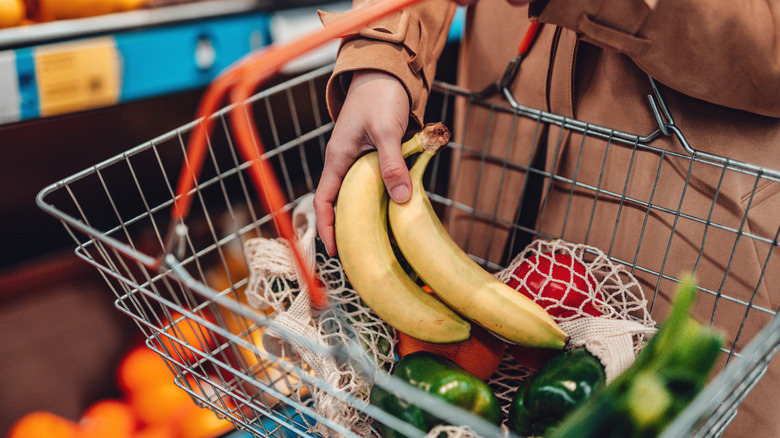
<point x="406" y="45"/>
<point x="720" y="51"/>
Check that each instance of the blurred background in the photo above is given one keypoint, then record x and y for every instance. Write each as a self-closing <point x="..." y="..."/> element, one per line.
<point x="81" y="81"/>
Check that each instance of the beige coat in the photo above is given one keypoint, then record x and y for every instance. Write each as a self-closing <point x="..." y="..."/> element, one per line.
<point x="720" y="69"/>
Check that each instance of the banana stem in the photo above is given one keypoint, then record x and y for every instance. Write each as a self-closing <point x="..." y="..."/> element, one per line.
<point x="434" y="136"/>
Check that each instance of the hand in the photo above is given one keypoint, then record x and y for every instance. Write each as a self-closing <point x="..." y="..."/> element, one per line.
<point x="375" y="115"/>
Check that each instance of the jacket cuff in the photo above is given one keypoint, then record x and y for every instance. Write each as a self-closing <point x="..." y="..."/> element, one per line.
<point x="613" y="24"/>
<point x="391" y="45"/>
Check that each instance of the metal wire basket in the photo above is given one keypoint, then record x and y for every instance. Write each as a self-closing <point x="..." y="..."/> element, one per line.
<point x="188" y="300"/>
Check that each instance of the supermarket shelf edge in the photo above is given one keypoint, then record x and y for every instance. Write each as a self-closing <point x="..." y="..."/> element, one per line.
<point x="150" y="53"/>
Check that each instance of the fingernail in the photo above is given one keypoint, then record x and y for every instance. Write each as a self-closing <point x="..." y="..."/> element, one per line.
<point x="400" y="193"/>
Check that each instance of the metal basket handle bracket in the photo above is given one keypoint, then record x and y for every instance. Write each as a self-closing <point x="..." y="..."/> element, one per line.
<point x="667" y="127"/>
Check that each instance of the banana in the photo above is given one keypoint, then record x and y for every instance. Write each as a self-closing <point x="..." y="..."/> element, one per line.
<point x="458" y="280"/>
<point x="367" y="256"/>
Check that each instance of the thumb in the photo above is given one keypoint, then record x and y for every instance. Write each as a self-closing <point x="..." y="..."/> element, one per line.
<point x="394" y="171"/>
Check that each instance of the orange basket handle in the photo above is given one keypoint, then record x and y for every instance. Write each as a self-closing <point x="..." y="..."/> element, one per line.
<point x="528" y="38"/>
<point x="239" y="82"/>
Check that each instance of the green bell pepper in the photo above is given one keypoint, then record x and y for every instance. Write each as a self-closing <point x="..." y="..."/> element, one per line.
<point x="557" y="388"/>
<point x="443" y="378"/>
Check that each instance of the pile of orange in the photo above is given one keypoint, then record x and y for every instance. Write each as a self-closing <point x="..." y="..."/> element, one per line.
<point x="68" y="9"/>
<point x="23" y="12"/>
<point x="151" y="406"/>
<point x="183" y="335"/>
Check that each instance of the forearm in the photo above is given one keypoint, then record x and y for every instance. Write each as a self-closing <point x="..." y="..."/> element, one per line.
<point x="721" y="51"/>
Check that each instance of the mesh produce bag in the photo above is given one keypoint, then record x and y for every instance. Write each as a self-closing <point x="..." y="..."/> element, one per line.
<point x="273" y="282"/>
<point x="587" y="283"/>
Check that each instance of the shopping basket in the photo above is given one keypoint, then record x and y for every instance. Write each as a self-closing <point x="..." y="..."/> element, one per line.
<point x="118" y="213"/>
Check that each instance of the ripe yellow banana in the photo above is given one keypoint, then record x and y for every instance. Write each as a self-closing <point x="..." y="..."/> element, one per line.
<point x="368" y="259"/>
<point x="458" y="280"/>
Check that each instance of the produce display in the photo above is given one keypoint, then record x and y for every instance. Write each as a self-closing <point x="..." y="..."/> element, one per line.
<point x="150" y="405"/>
<point x="25" y="12"/>
<point x="48" y="10"/>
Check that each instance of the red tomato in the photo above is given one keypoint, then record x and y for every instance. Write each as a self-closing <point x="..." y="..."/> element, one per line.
<point x="560" y="284"/>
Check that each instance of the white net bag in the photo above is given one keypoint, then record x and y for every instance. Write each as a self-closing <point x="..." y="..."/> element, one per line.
<point x="445" y="430"/>
<point x="598" y="303"/>
<point x="273" y="282"/>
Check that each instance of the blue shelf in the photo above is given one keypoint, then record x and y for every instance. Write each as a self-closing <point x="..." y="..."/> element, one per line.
<point x="176" y="58"/>
<point x="149" y="62"/>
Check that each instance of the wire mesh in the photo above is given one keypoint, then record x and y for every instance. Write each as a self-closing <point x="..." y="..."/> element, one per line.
<point x="189" y="301"/>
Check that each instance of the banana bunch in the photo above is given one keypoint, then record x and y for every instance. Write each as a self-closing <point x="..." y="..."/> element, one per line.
<point x="370" y="263"/>
<point x="363" y="210"/>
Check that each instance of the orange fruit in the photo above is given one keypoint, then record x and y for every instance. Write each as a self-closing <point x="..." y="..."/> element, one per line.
<point x="142" y="367"/>
<point x="164" y="403"/>
<point x="129" y="5"/>
<point x="107" y="418"/>
<point x="156" y="431"/>
<point x="190" y="332"/>
<point x="40" y="424"/>
<point x="203" y="423"/>
<point x="68" y="9"/>
<point x="479" y="355"/>
<point x="12" y="13"/>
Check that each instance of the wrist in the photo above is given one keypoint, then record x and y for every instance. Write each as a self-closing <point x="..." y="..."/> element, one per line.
<point x="381" y="86"/>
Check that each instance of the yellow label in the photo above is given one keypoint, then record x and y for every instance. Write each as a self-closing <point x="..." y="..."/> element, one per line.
<point x="77" y="75"/>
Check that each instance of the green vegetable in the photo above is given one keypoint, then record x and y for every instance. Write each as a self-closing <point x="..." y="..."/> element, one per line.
<point x="666" y="376"/>
<point x="443" y="378"/>
<point x="563" y="383"/>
